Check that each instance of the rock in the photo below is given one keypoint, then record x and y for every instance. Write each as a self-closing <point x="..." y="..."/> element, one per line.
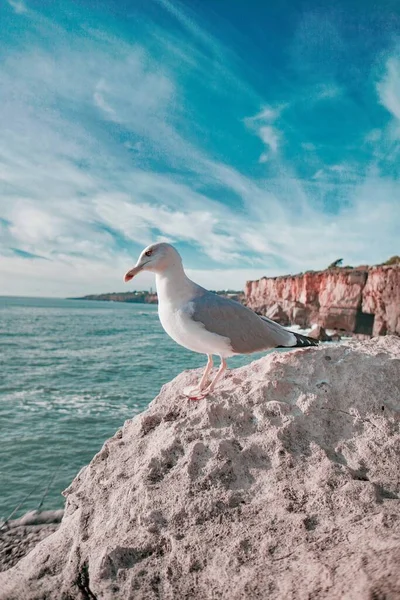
<point x="364" y="300"/>
<point x="17" y="541"/>
<point x="319" y="333"/>
<point x="37" y="517"/>
<point x="300" y="314"/>
<point x="381" y="297"/>
<point x="335" y="337"/>
<point x="284" y="485"/>
<point x="276" y="313"/>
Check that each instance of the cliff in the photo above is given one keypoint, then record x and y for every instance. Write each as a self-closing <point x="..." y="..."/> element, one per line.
<point x="284" y="485"/>
<point x="363" y="300"/>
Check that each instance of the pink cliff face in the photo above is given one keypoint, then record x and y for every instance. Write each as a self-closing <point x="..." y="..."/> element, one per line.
<point x="364" y="300"/>
<point x="381" y="297"/>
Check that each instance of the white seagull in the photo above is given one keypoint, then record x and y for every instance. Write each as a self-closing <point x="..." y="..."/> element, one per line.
<point x="204" y="322"/>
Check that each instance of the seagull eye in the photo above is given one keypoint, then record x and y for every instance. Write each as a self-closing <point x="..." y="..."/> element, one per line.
<point x="149" y="252"/>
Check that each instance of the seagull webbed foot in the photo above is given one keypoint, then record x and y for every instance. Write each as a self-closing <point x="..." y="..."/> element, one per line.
<point x="194" y="393"/>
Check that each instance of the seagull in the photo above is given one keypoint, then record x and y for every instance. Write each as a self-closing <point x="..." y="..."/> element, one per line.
<point x="205" y="322"/>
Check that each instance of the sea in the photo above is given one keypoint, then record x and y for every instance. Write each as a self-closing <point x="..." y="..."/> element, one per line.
<point x="71" y="373"/>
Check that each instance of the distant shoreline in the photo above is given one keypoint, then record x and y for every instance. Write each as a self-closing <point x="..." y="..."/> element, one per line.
<point x="147" y="297"/>
<point x="143" y="297"/>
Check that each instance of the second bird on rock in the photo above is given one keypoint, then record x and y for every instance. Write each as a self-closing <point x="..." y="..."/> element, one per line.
<point x="204" y="322"/>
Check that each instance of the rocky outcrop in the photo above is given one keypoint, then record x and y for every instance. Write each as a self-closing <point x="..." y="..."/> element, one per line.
<point x="381" y="297"/>
<point x="319" y="333"/>
<point x="283" y="485"/>
<point x="365" y="300"/>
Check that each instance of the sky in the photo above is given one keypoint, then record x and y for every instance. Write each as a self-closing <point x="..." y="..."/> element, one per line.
<point x="259" y="138"/>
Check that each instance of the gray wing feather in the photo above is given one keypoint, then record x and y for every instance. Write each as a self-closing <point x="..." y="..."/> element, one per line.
<point x="246" y="330"/>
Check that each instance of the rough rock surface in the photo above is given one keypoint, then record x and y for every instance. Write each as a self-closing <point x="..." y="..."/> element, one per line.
<point x="284" y="485"/>
<point x="20" y="536"/>
<point x="319" y="333"/>
<point x="16" y="542"/>
<point x="364" y="300"/>
<point x="276" y="313"/>
<point x="381" y="296"/>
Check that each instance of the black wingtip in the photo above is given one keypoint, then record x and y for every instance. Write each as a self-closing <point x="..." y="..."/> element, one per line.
<point x="303" y="341"/>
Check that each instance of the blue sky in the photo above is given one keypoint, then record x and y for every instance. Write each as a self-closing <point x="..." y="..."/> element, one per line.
<point x="259" y="138"/>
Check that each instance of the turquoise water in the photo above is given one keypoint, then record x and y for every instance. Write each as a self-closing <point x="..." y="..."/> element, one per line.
<point x="71" y="372"/>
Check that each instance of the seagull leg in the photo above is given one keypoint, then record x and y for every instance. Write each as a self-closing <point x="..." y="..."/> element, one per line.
<point x="220" y="372"/>
<point x="197" y="392"/>
<point x="209" y="366"/>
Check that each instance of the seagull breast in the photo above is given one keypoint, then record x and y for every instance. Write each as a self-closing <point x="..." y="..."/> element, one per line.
<point x="180" y="326"/>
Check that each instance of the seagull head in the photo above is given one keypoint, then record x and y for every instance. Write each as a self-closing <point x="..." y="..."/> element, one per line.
<point x="156" y="258"/>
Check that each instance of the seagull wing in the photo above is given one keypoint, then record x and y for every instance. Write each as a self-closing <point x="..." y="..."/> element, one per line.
<point x="247" y="331"/>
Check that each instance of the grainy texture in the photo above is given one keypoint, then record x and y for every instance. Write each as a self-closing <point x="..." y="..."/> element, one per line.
<point x="284" y="485"/>
<point x="16" y="542"/>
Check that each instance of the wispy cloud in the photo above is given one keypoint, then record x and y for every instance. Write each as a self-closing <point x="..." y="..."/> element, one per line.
<point x="267" y="114"/>
<point x="270" y="137"/>
<point x="112" y="141"/>
<point x="99" y="100"/>
<point x="389" y="87"/>
<point x="261" y="124"/>
<point x="18" y="5"/>
<point x="325" y="91"/>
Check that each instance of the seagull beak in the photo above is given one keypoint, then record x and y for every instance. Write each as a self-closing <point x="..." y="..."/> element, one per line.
<point x="131" y="274"/>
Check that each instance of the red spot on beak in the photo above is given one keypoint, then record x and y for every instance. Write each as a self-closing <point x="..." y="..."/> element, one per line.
<point x="131" y="274"/>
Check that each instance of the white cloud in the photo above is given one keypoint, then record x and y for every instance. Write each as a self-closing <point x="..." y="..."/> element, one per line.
<point x="33" y="226"/>
<point x="18" y="5"/>
<point x="375" y="135"/>
<point x="344" y="173"/>
<point x="312" y="241"/>
<point x="270" y="137"/>
<point x="326" y="91"/>
<point x="266" y="114"/>
<point x="269" y="134"/>
<point x="389" y="87"/>
<point x="79" y="277"/>
<point x="225" y="279"/>
<point x="99" y="100"/>
<point x="72" y="277"/>
<point x="75" y="193"/>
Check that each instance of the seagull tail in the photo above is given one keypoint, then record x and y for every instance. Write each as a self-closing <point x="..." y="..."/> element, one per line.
<point x="303" y="341"/>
